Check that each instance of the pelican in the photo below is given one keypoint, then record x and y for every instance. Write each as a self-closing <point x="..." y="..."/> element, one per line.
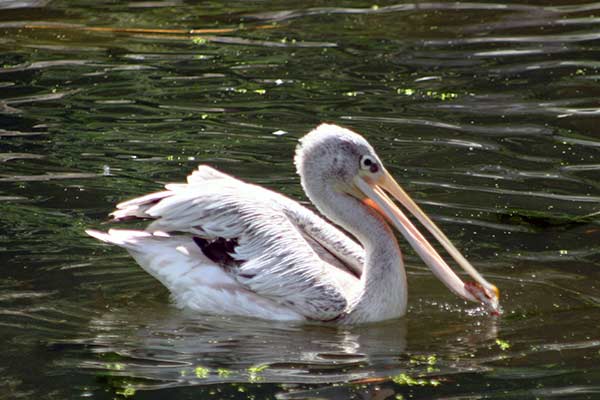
<point x="223" y="246"/>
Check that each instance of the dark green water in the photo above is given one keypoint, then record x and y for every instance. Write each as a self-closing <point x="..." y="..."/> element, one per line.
<point x="487" y="113"/>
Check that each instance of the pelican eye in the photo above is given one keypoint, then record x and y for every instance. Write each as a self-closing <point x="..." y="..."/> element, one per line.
<point x="368" y="163"/>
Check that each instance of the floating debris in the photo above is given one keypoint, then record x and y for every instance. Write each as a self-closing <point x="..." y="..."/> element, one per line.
<point x="503" y="344"/>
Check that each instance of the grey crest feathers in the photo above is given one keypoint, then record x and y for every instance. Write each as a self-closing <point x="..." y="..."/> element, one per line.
<point x="331" y="152"/>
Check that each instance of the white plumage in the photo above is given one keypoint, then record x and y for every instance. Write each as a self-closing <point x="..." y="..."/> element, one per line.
<point x="223" y="246"/>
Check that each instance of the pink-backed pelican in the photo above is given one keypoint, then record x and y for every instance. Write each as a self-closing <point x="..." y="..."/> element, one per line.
<point x="223" y="246"/>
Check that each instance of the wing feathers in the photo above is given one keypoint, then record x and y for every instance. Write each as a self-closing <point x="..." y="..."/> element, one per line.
<point x="275" y="260"/>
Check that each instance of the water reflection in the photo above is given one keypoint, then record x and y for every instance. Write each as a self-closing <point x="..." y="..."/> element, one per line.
<point x="161" y="347"/>
<point x="170" y="350"/>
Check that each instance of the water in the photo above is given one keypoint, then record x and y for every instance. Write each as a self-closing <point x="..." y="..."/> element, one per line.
<point x="486" y="112"/>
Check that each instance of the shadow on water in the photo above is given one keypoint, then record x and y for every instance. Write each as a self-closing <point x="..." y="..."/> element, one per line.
<point x="485" y="111"/>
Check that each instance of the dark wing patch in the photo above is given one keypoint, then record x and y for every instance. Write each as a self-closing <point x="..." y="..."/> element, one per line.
<point x="218" y="250"/>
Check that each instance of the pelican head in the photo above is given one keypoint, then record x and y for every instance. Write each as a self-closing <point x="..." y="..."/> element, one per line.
<point x="332" y="159"/>
<point x="334" y="155"/>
